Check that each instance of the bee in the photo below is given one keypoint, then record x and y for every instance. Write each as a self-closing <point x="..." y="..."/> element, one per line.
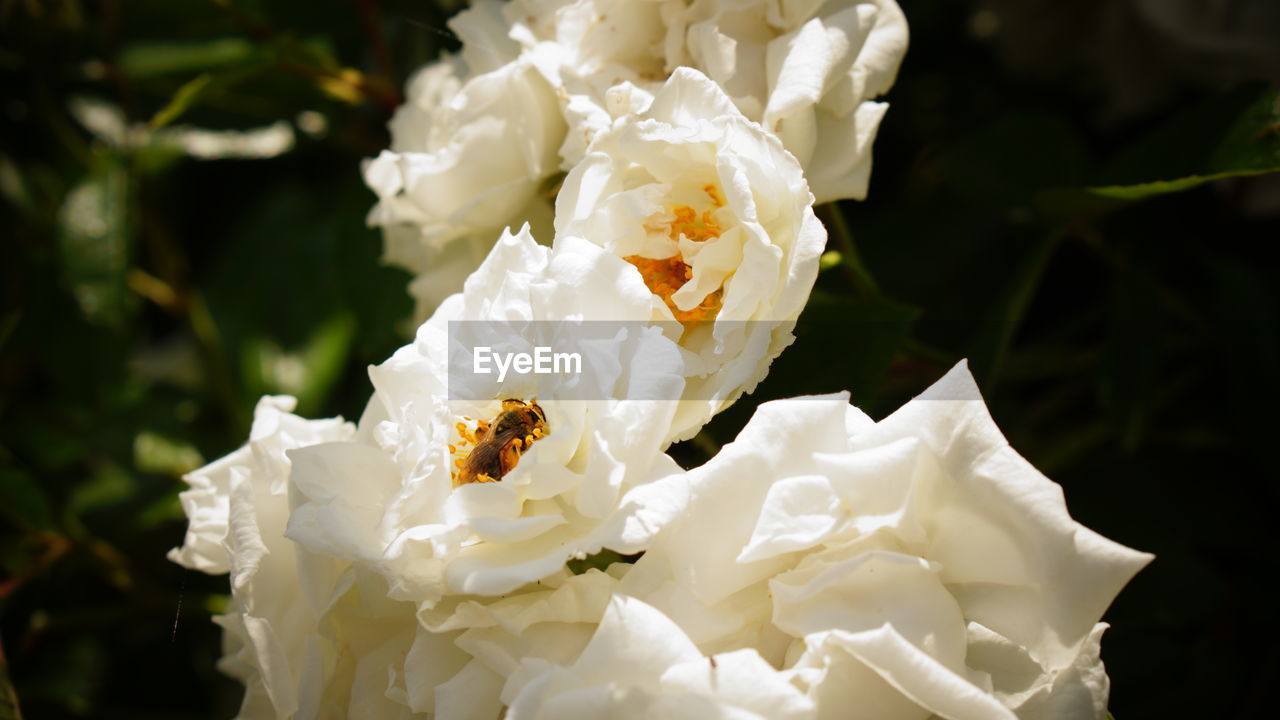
<point x="499" y="445"/>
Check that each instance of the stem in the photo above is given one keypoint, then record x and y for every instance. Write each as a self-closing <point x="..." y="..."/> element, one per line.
<point x="9" y="709"/>
<point x="706" y="444"/>
<point x="850" y="259"/>
<point x="1017" y="301"/>
<point x="369" y="14"/>
<point x="387" y="96"/>
<point x="210" y="340"/>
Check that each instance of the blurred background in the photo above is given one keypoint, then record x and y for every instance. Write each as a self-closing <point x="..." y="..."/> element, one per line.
<point x="1080" y="198"/>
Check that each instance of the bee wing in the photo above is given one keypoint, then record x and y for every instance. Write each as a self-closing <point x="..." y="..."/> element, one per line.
<point x="486" y="458"/>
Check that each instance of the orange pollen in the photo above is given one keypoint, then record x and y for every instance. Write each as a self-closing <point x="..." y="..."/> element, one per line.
<point x="664" y="276"/>
<point x="690" y="225"/>
<point x="714" y="192"/>
<point x="502" y="441"/>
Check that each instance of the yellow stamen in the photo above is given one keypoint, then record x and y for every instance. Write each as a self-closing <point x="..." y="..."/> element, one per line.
<point x="690" y="225"/>
<point x="716" y="198"/>
<point x="664" y="276"/>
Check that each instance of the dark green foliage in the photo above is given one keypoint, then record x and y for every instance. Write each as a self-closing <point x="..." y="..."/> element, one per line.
<point x="1112" y="283"/>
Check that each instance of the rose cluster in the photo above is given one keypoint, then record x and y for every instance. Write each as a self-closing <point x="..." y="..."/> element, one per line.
<point x="428" y="561"/>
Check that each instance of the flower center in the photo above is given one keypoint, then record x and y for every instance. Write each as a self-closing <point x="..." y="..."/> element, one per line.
<point x="664" y="276"/>
<point x="491" y="449"/>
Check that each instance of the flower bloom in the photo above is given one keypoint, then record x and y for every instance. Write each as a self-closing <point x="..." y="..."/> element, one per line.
<point x="411" y="501"/>
<point x="912" y="567"/>
<point x="576" y="646"/>
<point x="808" y="72"/>
<point x="825" y="566"/>
<point x="305" y="634"/>
<point x="538" y="82"/>
<point x="640" y="664"/>
<point x="470" y="148"/>
<point x="716" y="217"/>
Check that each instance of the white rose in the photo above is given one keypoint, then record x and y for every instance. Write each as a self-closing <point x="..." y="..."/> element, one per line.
<point x="478" y="135"/>
<point x="551" y="620"/>
<point x="261" y="465"/>
<point x="585" y="47"/>
<point x="576" y="646"/>
<point x="309" y="636"/>
<point x="807" y="71"/>
<point x="402" y="503"/>
<point x="441" y="271"/>
<point x="900" y="569"/>
<point x="639" y="664"/>
<point x="716" y="216"/>
<point x="470" y="149"/>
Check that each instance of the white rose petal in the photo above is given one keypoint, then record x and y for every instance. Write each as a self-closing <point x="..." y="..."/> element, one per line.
<point x="639" y="664"/>
<point x="807" y="71"/>
<point x="470" y="148"/>
<point x="309" y="635"/>
<point x="909" y="567"/>
<point x="207" y="502"/>
<point x="538" y="82"/>
<point x="716" y="218"/>
<point x="1034" y="691"/>
<point x="388" y="501"/>
<point x="879" y="674"/>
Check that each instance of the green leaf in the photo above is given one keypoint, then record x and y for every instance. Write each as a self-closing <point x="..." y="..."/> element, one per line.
<point x="23" y="499"/>
<point x="309" y="372"/>
<point x="109" y="485"/>
<point x="94" y="243"/>
<point x="600" y="561"/>
<point x="83" y="664"/>
<point x="203" y="86"/>
<point x="1164" y="187"/>
<point x="1132" y="378"/>
<point x="162" y="510"/>
<point x="1001" y="323"/>
<point x="8" y="697"/>
<point x="842" y="343"/>
<point x="8" y="322"/>
<point x="844" y="251"/>
<point x="145" y="60"/>
<point x="13" y="187"/>
<point x="1237" y="135"/>
<point x="182" y="100"/>
<point x="155" y="453"/>
<point x="324" y="358"/>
